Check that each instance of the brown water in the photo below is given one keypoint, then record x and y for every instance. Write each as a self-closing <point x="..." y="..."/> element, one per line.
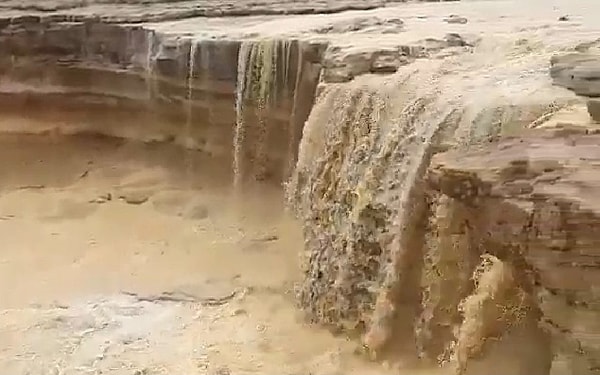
<point x="56" y="217"/>
<point x="81" y="274"/>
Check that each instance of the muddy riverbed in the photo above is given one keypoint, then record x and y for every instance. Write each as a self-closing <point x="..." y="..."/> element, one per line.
<point x="120" y="258"/>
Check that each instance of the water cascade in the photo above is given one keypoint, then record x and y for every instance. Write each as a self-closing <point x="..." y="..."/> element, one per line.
<point x="204" y="68"/>
<point x="238" y="135"/>
<point x="292" y="135"/>
<point x="358" y="186"/>
<point x="149" y="76"/>
<point x="262" y="81"/>
<point x="188" y="140"/>
<point x="358" y="172"/>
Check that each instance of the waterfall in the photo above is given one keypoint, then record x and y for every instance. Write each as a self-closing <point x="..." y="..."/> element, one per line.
<point x="262" y="75"/>
<point x="190" y="92"/>
<point x="149" y="76"/>
<point x="287" y="60"/>
<point x="358" y="187"/>
<point x="187" y="136"/>
<point x="205" y="68"/>
<point x="292" y="138"/>
<point x="239" y="131"/>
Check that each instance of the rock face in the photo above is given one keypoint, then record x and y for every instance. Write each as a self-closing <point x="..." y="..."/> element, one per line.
<point x="593" y="106"/>
<point x="580" y="72"/>
<point x="532" y="203"/>
<point x="166" y="87"/>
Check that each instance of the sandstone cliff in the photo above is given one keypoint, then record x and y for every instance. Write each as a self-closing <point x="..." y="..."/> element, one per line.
<point x="531" y="203"/>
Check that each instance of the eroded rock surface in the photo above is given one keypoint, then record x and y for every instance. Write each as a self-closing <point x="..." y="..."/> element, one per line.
<point x="171" y="70"/>
<point x="578" y="71"/>
<point x="593" y="106"/>
<point x="533" y="203"/>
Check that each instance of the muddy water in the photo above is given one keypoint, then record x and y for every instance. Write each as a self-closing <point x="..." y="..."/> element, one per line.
<point x="57" y="214"/>
<point x="112" y="260"/>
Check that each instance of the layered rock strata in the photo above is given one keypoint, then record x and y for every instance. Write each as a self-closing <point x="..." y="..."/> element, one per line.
<point x="532" y="203"/>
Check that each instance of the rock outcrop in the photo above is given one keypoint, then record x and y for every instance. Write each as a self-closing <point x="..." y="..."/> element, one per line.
<point x="93" y="66"/>
<point x="86" y="75"/>
<point x="579" y="71"/>
<point x="532" y="203"/>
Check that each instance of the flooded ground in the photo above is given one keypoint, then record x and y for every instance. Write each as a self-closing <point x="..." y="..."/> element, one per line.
<point x="121" y="258"/>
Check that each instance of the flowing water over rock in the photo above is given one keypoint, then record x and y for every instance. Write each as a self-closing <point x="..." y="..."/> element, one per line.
<point x="371" y="267"/>
<point x="119" y="208"/>
<point x="263" y="78"/>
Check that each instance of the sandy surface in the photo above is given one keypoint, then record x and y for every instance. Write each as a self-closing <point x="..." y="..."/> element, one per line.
<point x="175" y="282"/>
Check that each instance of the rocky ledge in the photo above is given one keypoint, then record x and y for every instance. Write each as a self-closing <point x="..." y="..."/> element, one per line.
<point x="533" y="204"/>
<point x="170" y="70"/>
<point x="579" y="71"/>
<point x="419" y="266"/>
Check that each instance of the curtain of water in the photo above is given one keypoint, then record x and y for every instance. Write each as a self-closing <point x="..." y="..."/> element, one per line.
<point x="262" y="75"/>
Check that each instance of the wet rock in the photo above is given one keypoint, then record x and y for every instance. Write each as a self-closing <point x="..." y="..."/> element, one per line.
<point x="387" y="62"/>
<point x="456" y="19"/>
<point x="363" y="25"/>
<point x="544" y="233"/>
<point x="579" y="72"/>
<point x="345" y="65"/>
<point x="593" y="106"/>
<point x="455" y="40"/>
<point x="266" y="238"/>
<point x="103" y="198"/>
<point x="349" y="65"/>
